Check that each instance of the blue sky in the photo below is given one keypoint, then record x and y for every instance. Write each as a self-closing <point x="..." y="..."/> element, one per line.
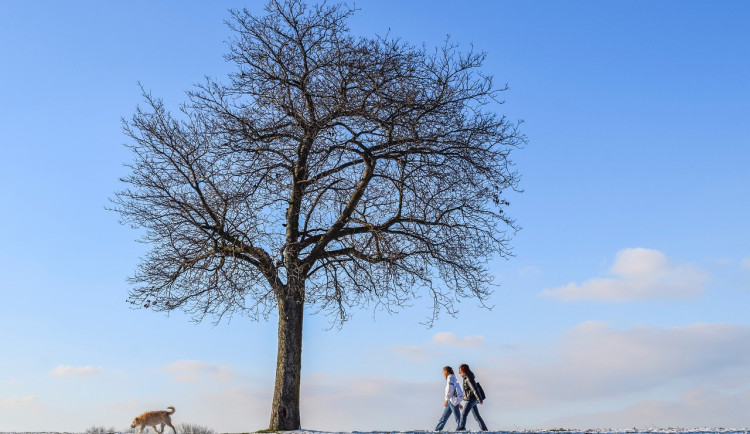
<point x="625" y="304"/>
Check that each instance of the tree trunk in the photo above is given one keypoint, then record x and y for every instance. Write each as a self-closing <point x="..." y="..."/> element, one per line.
<point x="285" y="414"/>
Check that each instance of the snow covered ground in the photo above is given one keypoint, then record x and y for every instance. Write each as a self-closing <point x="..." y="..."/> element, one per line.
<point x="555" y="431"/>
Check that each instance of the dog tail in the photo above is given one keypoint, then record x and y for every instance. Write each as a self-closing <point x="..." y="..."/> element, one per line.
<point x="172" y="408"/>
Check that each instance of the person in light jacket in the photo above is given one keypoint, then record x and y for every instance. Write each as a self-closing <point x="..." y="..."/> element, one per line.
<point x="471" y="399"/>
<point x="453" y="397"/>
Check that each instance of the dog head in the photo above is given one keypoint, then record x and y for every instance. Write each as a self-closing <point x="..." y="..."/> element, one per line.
<point x="136" y="421"/>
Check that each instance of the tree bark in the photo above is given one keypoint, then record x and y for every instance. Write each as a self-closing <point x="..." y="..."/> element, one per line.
<point x="285" y="413"/>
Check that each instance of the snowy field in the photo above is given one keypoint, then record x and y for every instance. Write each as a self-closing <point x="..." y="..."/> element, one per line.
<point x="555" y="431"/>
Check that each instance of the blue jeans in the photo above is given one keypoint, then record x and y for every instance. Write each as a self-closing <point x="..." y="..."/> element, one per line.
<point x="450" y="408"/>
<point x="471" y="406"/>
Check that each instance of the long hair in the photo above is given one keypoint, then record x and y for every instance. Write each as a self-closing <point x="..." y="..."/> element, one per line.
<point x="448" y="369"/>
<point x="466" y="370"/>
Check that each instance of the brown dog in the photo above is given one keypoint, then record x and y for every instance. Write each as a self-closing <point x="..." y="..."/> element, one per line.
<point x="153" y="418"/>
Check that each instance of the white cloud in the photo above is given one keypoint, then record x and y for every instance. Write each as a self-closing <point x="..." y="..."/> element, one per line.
<point x="193" y="371"/>
<point x="637" y="274"/>
<point x="64" y="371"/>
<point x="450" y="339"/>
<point x="595" y="361"/>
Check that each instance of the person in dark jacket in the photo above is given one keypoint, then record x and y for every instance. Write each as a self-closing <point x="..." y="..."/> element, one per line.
<point x="471" y="399"/>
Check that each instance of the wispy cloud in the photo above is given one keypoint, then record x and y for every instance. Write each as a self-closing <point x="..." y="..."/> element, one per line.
<point x="440" y="342"/>
<point x="220" y="409"/>
<point x="450" y="339"/>
<point x="413" y="352"/>
<point x="372" y="403"/>
<point x="193" y="371"/>
<point x="16" y="402"/>
<point x="637" y="274"/>
<point x="745" y="262"/>
<point x="531" y="270"/>
<point x="64" y="371"/>
<point x="595" y="360"/>
<point x="694" y="407"/>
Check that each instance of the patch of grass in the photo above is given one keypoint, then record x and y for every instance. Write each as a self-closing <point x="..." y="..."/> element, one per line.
<point x="188" y="428"/>
<point x="100" y="430"/>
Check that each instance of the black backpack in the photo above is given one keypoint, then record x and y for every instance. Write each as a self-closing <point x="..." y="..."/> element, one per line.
<point x="480" y="392"/>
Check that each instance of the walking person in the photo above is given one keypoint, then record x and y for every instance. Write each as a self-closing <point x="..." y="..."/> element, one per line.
<point x="471" y="399"/>
<point x="453" y="398"/>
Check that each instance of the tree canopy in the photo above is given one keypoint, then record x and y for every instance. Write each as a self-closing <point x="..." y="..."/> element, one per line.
<point x="328" y="171"/>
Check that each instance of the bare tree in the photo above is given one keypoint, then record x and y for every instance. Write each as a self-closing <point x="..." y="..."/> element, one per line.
<point x="328" y="172"/>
